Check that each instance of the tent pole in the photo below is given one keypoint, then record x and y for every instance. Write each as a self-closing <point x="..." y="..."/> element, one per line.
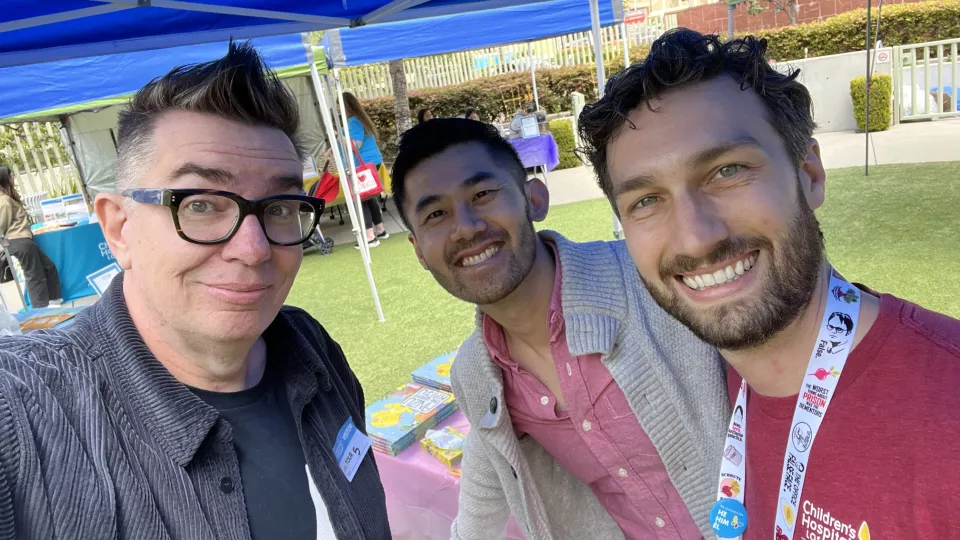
<point x="866" y="123"/>
<point x="331" y="135"/>
<point x="601" y="78"/>
<point x="348" y="148"/>
<point x="626" y="46"/>
<point x="533" y="74"/>
<point x="64" y="122"/>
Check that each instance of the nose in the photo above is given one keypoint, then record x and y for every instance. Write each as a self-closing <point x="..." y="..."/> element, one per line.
<point x="468" y="223"/>
<point x="249" y="245"/>
<point x="698" y="227"/>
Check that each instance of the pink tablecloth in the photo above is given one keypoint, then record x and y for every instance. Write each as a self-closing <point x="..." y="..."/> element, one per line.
<point x="421" y="496"/>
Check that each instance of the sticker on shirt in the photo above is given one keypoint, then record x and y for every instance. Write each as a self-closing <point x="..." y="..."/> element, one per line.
<point x="820" y="524"/>
<point x="350" y="448"/>
<point x="728" y="518"/>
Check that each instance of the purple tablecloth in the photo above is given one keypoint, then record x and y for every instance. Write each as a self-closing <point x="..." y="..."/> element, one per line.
<point x="536" y="152"/>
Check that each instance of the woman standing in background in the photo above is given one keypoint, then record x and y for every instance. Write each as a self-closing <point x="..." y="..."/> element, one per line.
<point x="43" y="283"/>
<point x="364" y="135"/>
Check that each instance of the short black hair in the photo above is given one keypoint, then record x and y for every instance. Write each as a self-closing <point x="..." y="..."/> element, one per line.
<point x="432" y="137"/>
<point x="469" y="111"/>
<point x="683" y="57"/>
<point x="421" y="113"/>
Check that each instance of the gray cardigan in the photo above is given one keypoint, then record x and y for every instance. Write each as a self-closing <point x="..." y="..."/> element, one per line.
<point x="673" y="382"/>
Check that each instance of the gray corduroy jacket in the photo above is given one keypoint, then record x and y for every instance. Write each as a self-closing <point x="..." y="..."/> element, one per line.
<point x="673" y="382"/>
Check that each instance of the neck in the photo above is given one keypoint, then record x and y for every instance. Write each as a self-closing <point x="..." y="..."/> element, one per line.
<point x="523" y="313"/>
<point x="777" y="367"/>
<point x="217" y="366"/>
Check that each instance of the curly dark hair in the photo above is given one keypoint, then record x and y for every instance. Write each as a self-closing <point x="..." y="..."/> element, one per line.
<point x="684" y="57"/>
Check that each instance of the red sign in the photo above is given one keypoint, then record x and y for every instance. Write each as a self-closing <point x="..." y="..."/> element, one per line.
<point x="635" y="17"/>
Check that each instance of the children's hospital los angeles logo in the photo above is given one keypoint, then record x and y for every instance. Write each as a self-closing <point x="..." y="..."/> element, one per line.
<point x="815" y="523"/>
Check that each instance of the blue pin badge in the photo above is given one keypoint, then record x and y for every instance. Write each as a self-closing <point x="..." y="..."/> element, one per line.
<point x="728" y="518"/>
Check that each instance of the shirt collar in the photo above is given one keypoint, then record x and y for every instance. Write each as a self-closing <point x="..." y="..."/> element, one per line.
<point x="177" y="419"/>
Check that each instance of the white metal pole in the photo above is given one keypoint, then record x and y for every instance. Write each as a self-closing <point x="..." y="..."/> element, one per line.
<point x="331" y="135"/>
<point x="626" y="46"/>
<point x="601" y="78"/>
<point x="348" y="148"/>
<point x="533" y="74"/>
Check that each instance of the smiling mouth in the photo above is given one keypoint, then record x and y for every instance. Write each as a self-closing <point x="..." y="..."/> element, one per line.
<point x="730" y="273"/>
<point x="474" y="260"/>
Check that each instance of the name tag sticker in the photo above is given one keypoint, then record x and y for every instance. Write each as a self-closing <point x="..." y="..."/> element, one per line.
<point x="350" y="448"/>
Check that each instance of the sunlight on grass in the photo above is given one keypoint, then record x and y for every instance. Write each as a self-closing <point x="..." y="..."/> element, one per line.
<point x="896" y="231"/>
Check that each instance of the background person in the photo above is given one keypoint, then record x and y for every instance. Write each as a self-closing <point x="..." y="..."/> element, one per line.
<point x="472" y="114"/>
<point x="364" y="136"/>
<point x="43" y="282"/>
<point x="708" y="157"/>
<point x="424" y="115"/>
<point x="188" y="402"/>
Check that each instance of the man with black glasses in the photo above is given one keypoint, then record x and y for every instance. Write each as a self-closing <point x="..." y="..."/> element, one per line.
<point x="189" y="403"/>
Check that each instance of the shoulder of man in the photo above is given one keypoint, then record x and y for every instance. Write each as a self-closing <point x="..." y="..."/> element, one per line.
<point x="939" y="329"/>
<point x="327" y="348"/>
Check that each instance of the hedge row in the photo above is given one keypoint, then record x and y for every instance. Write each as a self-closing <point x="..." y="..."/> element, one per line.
<point x="881" y="89"/>
<point x="901" y="24"/>
<point x="562" y="131"/>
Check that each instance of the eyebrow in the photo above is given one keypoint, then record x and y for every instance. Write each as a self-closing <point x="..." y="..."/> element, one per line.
<point x="223" y="177"/>
<point x="704" y="157"/>
<point x="473" y="180"/>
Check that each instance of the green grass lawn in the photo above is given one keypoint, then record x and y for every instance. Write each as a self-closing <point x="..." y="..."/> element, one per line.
<point x="897" y="231"/>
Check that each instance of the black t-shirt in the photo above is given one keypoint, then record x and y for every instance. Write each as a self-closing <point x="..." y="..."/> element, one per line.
<point x="272" y="464"/>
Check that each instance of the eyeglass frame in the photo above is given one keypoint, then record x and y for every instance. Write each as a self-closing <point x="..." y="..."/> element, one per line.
<point x="172" y="198"/>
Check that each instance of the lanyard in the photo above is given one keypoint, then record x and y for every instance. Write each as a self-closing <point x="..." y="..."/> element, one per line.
<point x="837" y="330"/>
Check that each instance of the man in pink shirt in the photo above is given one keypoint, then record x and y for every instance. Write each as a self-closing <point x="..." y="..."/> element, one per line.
<point x="574" y="380"/>
<point x="849" y="397"/>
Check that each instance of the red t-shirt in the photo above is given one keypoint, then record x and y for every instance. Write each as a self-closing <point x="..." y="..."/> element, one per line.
<point x="887" y="456"/>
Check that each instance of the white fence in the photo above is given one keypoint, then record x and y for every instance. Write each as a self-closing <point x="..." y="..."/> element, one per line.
<point x="33" y="150"/>
<point x="373" y="80"/>
<point x="925" y="78"/>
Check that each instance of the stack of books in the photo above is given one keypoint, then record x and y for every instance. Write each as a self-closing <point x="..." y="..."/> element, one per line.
<point x="436" y="373"/>
<point x="400" y="419"/>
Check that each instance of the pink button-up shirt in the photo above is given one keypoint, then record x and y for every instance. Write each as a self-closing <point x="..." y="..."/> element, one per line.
<point x="598" y="438"/>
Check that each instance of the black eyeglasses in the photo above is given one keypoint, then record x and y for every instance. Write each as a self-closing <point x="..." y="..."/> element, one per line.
<point x="206" y="216"/>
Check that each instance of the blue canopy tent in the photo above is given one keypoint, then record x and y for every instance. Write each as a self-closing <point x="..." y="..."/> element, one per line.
<point x="440" y="35"/>
<point x="34" y="32"/>
<point x="65" y="86"/>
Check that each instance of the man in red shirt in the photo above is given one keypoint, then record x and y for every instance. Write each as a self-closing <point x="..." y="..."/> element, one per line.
<point x="850" y="395"/>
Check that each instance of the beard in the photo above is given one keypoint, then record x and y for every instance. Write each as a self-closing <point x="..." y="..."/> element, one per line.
<point x="791" y="277"/>
<point x="496" y="283"/>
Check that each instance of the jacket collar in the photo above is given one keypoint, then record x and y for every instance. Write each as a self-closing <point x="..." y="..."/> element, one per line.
<point x="593" y="296"/>
<point x="177" y="419"/>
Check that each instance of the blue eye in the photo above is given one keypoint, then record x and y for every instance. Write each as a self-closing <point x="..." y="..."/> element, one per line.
<point x="729" y="170"/>
<point x="646" y="201"/>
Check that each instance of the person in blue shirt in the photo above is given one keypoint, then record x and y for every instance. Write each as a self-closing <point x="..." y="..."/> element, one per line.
<point x="364" y="136"/>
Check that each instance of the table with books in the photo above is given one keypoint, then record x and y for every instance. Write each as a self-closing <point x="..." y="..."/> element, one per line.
<point x="416" y="434"/>
<point x="46" y="318"/>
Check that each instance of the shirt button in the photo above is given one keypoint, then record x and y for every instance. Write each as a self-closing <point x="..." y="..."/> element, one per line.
<point x="569" y="371"/>
<point x="587" y="426"/>
<point x="226" y="484"/>
<point x="622" y="473"/>
<point x="661" y="523"/>
<point x="544" y="400"/>
<point x="493" y="405"/>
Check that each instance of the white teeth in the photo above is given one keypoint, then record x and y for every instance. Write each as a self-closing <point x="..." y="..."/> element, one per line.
<point x="725" y="275"/>
<point x="477" y="259"/>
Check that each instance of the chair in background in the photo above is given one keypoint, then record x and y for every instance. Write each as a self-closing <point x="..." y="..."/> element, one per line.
<point x="18" y="277"/>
